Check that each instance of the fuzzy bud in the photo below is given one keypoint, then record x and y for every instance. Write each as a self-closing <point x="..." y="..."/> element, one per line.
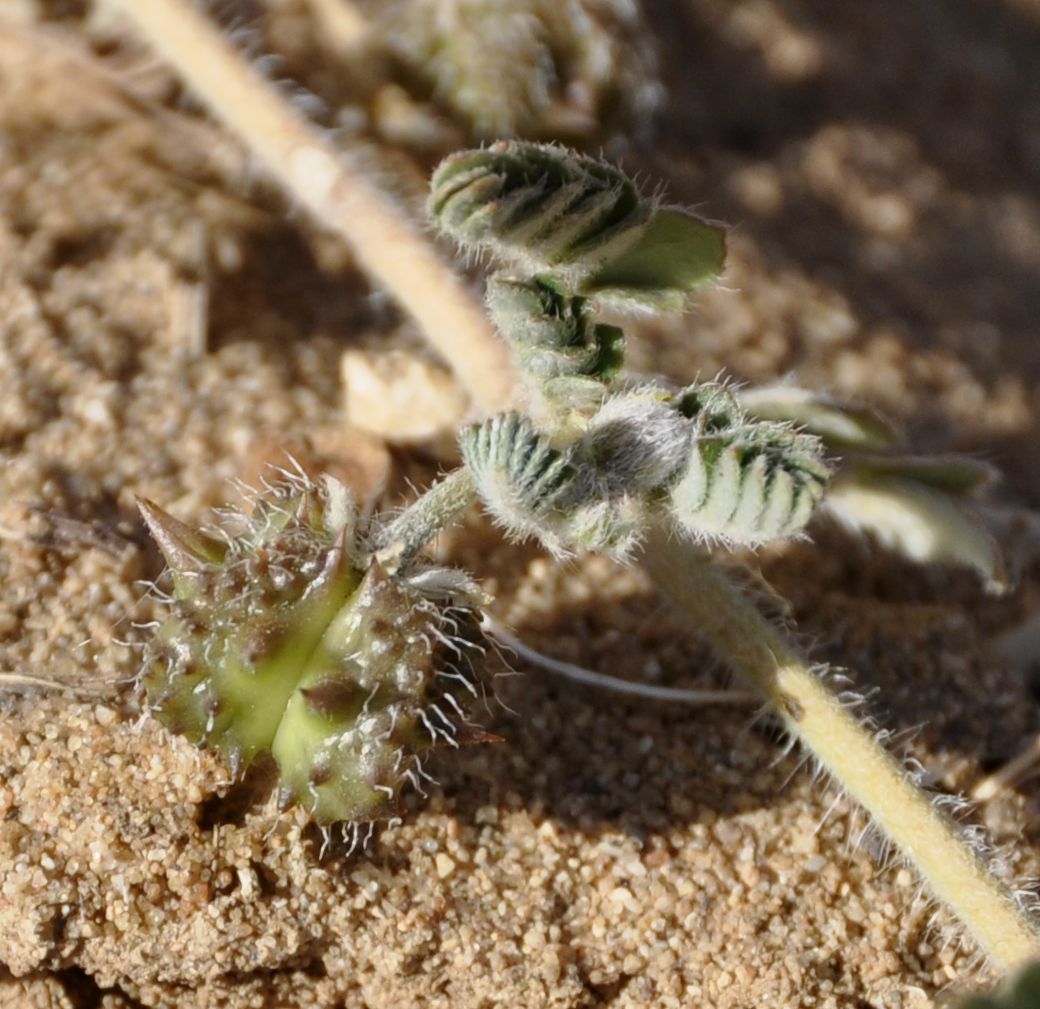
<point x="637" y="441"/>
<point x="566" y="362"/>
<point x="525" y="483"/>
<point x="552" y="334"/>
<point x="583" y="222"/>
<point x="749" y="484"/>
<point x="545" y="207"/>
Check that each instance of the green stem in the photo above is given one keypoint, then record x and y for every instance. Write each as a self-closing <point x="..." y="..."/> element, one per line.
<point x="399" y="543"/>
<point x="872" y="776"/>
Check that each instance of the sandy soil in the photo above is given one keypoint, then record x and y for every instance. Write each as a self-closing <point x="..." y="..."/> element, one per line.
<point x="167" y="324"/>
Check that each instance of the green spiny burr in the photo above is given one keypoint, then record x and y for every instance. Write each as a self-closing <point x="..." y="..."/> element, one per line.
<point x="286" y="639"/>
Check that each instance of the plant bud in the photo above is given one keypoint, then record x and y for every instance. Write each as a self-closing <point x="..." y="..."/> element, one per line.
<point x="744" y="481"/>
<point x="551" y="209"/>
<point x="637" y="442"/>
<point x="526" y="484"/>
<point x="551" y="333"/>
<point x="578" y="220"/>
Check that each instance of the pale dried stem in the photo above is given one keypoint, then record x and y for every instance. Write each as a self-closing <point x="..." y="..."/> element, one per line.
<point x="925" y="835"/>
<point x="342" y="25"/>
<point x="317" y="174"/>
<point x="16" y="680"/>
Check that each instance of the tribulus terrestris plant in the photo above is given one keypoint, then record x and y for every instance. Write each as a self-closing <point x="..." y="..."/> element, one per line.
<point x="346" y="657"/>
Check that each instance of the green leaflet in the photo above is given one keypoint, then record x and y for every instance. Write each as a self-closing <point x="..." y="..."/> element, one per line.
<point x="528" y="67"/>
<point x="910" y="503"/>
<point x="578" y="221"/>
<point x="841" y="425"/>
<point x="923" y="524"/>
<point x="675" y="254"/>
<point x="579" y="236"/>
<point x="953" y="474"/>
<point x="749" y="485"/>
<point x="553" y="334"/>
<point x="546" y="208"/>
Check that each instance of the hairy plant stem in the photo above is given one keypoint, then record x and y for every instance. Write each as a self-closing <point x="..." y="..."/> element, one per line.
<point x="317" y="174"/>
<point x="398" y="544"/>
<point x="927" y="837"/>
<point x="765" y="657"/>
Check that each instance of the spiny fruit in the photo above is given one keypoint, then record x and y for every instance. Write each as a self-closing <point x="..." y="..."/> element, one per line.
<point x="286" y="638"/>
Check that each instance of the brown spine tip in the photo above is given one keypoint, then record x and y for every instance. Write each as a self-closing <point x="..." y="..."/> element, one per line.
<point x="334" y="698"/>
<point x="466" y="734"/>
<point x="374" y="581"/>
<point x="264" y="640"/>
<point x="184" y="547"/>
<point x="321" y="770"/>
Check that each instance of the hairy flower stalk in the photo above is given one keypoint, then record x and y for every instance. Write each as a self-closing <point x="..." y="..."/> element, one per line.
<point x="763" y="655"/>
<point x="286" y="638"/>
